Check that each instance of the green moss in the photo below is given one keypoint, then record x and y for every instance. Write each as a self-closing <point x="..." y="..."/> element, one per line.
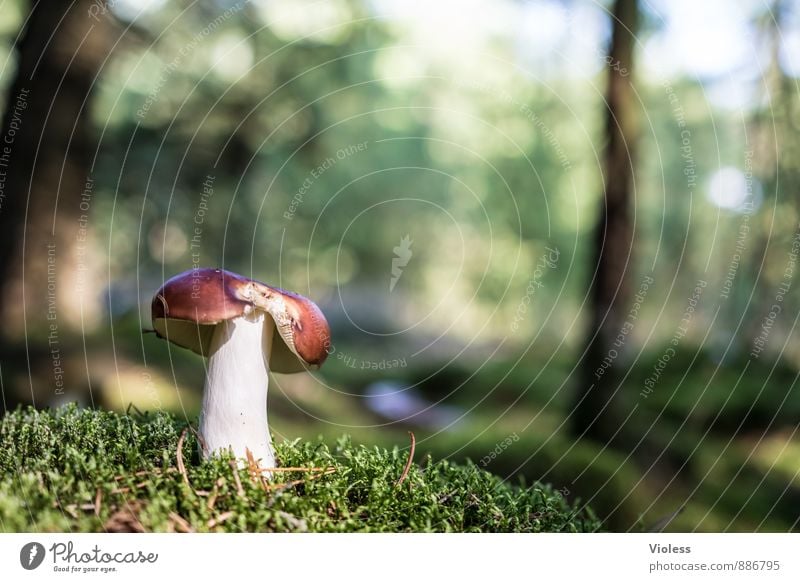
<point x="56" y="465"/>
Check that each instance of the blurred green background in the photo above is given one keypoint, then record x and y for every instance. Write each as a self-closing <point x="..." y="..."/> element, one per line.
<point x="317" y="146"/>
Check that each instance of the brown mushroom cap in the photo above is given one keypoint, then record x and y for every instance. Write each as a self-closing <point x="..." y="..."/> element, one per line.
<point x="187" y="308"/>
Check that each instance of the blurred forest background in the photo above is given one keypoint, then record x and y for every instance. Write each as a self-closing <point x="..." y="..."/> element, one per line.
<point x="556" y="237"/>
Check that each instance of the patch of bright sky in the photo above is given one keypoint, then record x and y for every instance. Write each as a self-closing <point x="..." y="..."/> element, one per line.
<point x="541" y="28"/>
<point x="790" y="39"/>
<point x="717" y="42"/>
<point x="323" y="21"/>
<point x="561" y="39"/>
<point x="130" y="10"/>
<point x="729" y="188"/>
<point x="457" y="38"/>
<point x="232" y="56"/>
<point x="708" y="39"/>
<point x="446" y="27"/>
<point x="549" y="37"/>
<point x="713" y="41"/>
<point x="790" y="53"/>
<point x="705" y="39"/>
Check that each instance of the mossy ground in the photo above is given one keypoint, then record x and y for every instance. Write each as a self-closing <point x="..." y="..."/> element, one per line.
<point x="75" y="469"/>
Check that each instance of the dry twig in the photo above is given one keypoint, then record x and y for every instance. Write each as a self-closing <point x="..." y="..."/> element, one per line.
<point x="220" y="519"/>
<point x="255" y="469"/>
<point x="200" y="439"/>
<point x="408" y="462"/>
<point x="179" y="458"/>
<point x="143" y="472"/>
<point x="125" y="520"/>
<point x="239" y="488"/>
<point x="212" y="499"/>
<point x="289" y="484"/>
<point x="119" y="490"/>
<point x="71" y="510"/>
<point x="180" y="523"/>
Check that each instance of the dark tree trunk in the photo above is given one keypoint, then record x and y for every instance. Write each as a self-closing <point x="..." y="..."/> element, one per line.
<point x="45" y="151"/>
<point x="595" y="414"/>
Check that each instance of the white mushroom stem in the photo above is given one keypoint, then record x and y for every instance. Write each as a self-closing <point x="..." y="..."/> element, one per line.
<point x="234" y="414"/>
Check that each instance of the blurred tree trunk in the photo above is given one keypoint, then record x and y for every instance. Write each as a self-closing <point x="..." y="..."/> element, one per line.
<point x="46" y="148"/>
<point x="595" y="414"/>
<point x="773" y="140"/>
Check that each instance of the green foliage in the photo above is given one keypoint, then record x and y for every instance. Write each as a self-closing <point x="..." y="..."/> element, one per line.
<point x="75" y="469"/>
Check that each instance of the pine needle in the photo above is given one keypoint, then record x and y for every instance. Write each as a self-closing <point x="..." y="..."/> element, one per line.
<point x="289" y="484"/>
<point x="295" y="469"/>
<point x="179" y="458"/>
<point x="218" y="520"/>
<point x="408" y="462"/>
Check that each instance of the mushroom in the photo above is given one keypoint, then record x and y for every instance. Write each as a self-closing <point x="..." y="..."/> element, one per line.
<point x="246" y="329"/>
